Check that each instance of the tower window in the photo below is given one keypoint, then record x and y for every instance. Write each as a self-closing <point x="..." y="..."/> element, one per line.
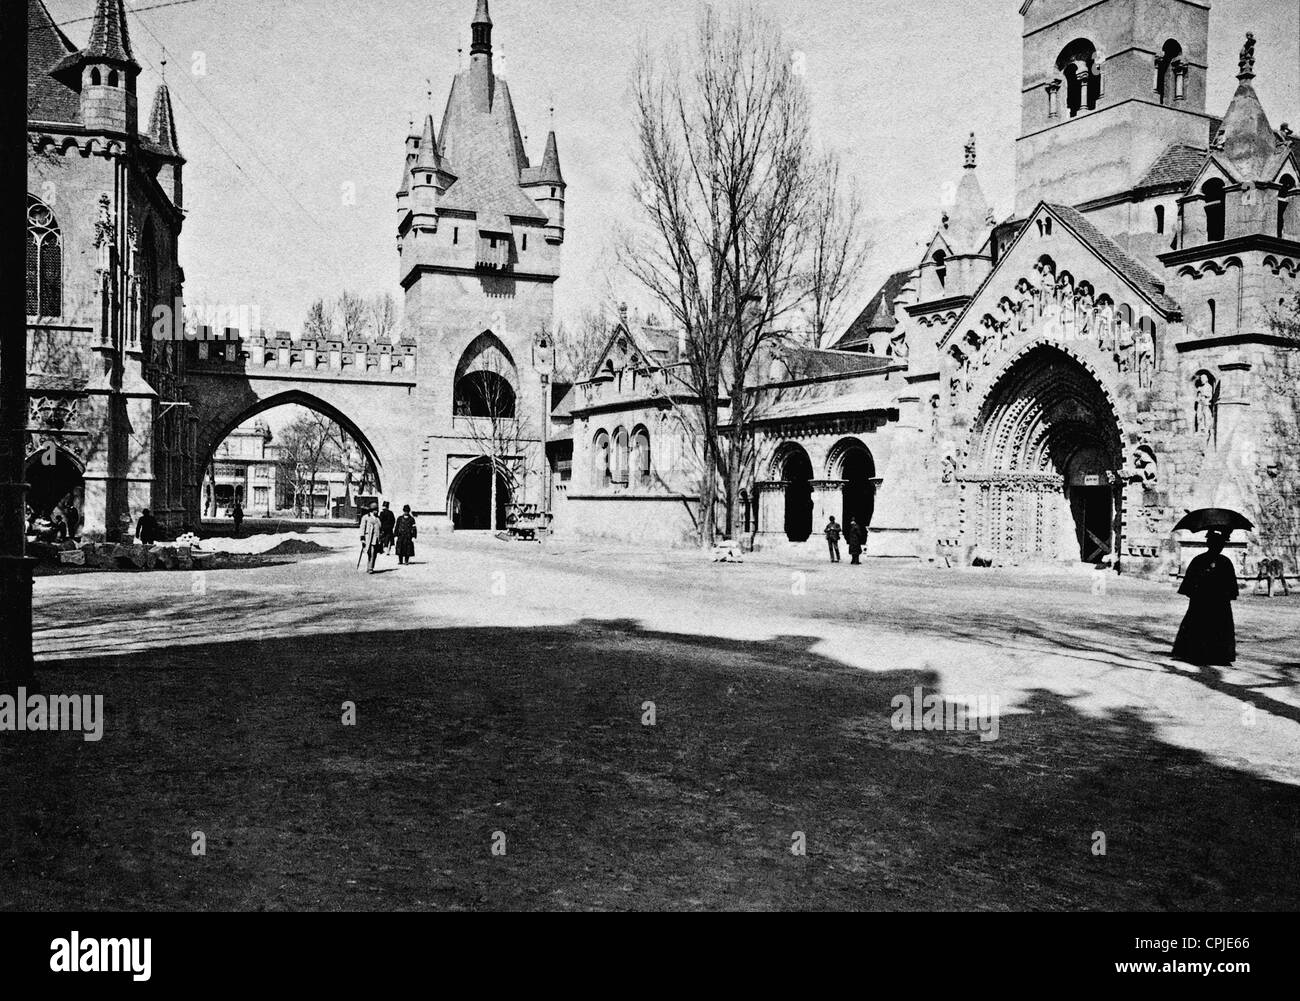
<point x="112" y="78"/>
<point x="455" y="235"/>
<point x="95" y="78"/>
<point x="1078" y="66"/>
<point x="553" y="192"/>
<point x="525" y="241"/>
<point x="1284" y="198"/>
<point x="1171" y="72"/>
<point x="1160" y="218"/>
<point x="1214" y="316"/>
<point x="1213" y="194"/>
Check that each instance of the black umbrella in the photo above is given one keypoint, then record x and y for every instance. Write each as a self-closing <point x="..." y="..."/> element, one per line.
<point x="1219" y="519"/>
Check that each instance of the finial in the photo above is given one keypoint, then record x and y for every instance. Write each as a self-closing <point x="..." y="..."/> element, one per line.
<point x="970" y="152"/>
<point x="163" y="69"/>
<point x="1247" y="61"/>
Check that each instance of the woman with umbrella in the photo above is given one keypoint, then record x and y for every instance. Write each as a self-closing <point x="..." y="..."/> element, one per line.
<point x="1208" y="634"/>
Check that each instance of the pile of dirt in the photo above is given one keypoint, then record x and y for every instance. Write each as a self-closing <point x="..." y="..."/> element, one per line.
<point x="295" y="547"/>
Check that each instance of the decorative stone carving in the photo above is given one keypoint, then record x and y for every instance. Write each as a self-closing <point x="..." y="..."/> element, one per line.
<point x="1145" y="466"/>
<point x="1207" y="394"/>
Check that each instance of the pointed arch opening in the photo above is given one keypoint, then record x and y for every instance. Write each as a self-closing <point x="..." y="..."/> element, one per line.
<point x="44" y="260"/>
<point x="487" y="381"/>
<point x="56" y="486"/>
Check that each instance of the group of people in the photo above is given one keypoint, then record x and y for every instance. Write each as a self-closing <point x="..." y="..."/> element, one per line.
<point x="855" y="537"/>
<point x="383" y="532"/>
<point x="56" y="525"/>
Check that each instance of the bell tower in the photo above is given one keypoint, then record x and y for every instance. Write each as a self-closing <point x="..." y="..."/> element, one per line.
<point x="1107" y="87"/>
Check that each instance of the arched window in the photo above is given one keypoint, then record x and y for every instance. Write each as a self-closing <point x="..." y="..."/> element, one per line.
<point x="1170" y="73"/>
<point x="600" y="460"/>
<point x="95" y="78"/>
<point x="641" y="457"/>
<point x="1160" y="218"/>
<point x="1214" y="316"/>
<point x="1284" y="199"/>
<point x="1047" y="225"/>
<point x="941" y="267"/>
<point x="44" y="261"/>
<point x="618" y="456"/>
<point x="1077" y="65"/>
<point x="112" y="78"/>
<point x="1213" y="193"/>
<point x="485" y="380"/>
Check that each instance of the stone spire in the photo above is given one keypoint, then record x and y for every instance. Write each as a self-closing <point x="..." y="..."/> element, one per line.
<point x="109" y="38"/>
<point x="1246" y="139"/>
<point x="162" y="123"/>
<point x="550" y="170"/>
<point x="429" y="158"/>
<point x="967" y="224"/>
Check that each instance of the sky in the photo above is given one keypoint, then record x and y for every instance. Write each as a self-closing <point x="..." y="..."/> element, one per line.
<point x="292" y="115"/>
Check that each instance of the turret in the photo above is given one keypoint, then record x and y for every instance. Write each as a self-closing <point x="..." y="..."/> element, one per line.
<point x="481" y="77"/>
<point x="545" y="184"/>
<point x="428" y="181"/>
<point x="404" y="186"/>
<point x="108" y="72"/>
<point x="162" y="133"/>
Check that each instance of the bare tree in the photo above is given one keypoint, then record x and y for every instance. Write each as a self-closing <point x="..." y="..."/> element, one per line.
<point x="837" y="252"/>
<point x="304" y="449"/>
<point x="319" y="324"/>
<point x="726" y="186"/>
<point x="486" y="408"/>
<point x="578" y="344"/>
<point x="382" y="312"/>
<point x="352" y="311"/>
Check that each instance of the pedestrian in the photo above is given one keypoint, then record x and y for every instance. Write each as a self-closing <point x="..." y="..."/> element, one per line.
<point x="370" y="536"/>
<point x="387" y="521"/>
<point x="73" y="517"/>
<point x="406" y="533"/>
<point x="855" y="536"/>
<point x="1208" y="634"/>
<point x="833" y="539"/>
<point x="238" y="515"/>
<point x="146" y="529"/>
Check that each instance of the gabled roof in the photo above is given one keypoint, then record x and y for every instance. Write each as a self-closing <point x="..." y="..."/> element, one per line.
<point x="1134" y="273"/>
<point x="655" y="345"/>
<point x="878" y="314"/>
<point x="813" y="363"/>
<point x="49" y="99"/>
<point x="1176" y="167"/>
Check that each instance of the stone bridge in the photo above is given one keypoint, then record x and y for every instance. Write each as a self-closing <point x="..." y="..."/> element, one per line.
<point x="367" y="388"/>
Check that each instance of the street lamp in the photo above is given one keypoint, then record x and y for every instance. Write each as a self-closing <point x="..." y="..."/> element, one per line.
<point x="544" y="363"/>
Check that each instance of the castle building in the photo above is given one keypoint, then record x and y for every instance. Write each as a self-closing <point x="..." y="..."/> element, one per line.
<point x="104" y="212"/>
<point x="1065" y="384"/>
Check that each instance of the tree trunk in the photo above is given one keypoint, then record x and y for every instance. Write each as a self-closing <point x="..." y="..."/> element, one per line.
<point x="492" y="509"/>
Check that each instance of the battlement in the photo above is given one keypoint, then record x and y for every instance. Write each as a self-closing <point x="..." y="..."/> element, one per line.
<point x="277" y="351"/>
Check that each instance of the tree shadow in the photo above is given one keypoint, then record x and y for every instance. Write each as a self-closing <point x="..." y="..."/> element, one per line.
<point x="543" y="734"/>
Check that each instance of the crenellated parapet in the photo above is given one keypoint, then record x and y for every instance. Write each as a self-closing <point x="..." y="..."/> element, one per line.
<point x="278" y="354"/>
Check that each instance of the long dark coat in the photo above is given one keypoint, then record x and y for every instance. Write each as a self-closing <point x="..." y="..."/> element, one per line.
<point x="406" y="533"/>
<point x="1208" y="633"/>
<point x="386" y="522"/>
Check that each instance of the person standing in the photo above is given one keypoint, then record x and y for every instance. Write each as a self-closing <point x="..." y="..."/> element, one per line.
<point x="406" y="532"/>
<point x="370" y="537"/>
<point x="238" y="515"/>
<point x="146" y="529"/>
<point x="73" y="517"/>
<point x="1208" y="633"/>
<point x="855" y="537"/>
<point x="833" y="539"/>
<point x="387" y="521"/>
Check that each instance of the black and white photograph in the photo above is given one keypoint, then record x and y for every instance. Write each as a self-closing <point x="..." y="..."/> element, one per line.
<point x="665" y="456"/>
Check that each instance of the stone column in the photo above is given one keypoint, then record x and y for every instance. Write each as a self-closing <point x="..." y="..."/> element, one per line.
<point x="771" y="509"/>
<point x="828" y="500"/>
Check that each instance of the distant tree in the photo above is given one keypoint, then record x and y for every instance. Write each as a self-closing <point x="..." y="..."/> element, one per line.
<point x="352" y="312"/>
<point x="837" y="250"/>
<point x="319" y="324"/>
<point x="487" y="409"/>
<point x="578" y="344"/>
<point x="382" y="313"/>
<point x="305" y="448"/>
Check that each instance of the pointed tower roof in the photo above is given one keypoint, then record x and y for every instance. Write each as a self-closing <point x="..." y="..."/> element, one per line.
<point x="1246" y="139"/>
<point x="428" y="158"/>
<point x="970" y="220"/>
<point x="162" y="122"/>
<point x="549" y="172"/>
<point x="50" y="98"/>
<point x="109" y="38"/>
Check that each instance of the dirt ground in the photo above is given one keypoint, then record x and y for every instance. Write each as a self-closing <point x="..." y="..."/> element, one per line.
<point x="501" y="756"/>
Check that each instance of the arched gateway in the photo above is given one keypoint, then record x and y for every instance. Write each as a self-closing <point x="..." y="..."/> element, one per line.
<point x="1041" y="479"/>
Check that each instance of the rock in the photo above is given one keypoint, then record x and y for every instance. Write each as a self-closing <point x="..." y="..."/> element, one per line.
<point x="72" y="557"/>
<point x="129" y="556"/>
<point x="204" y="561"/>
<point x="166" y="557"/>
<point x="184" y="558"/>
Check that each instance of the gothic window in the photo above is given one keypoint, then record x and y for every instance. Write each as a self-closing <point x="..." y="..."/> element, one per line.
<point x="95" y="78"/>
<point x="485" y="381"/>
<point x="641" y="457"/>
<point x="44" y="261"/>
<point x="1213" y="194"/>
<point x="112" y="78"/>
<point x="1285" y="196"/>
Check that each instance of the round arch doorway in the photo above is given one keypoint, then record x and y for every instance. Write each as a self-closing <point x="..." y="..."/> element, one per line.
<point x="853" y="464"/>
<point x="797" y="473"/>
<point x="1045" y="453"/>
<point x="470" y="501"/>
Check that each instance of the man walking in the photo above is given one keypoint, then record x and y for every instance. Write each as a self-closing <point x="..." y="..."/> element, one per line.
<point x="833" y="539"/>
<point x="387" y="521"/>
<point x="237" y="515"/>
<point x="370" y="533"/>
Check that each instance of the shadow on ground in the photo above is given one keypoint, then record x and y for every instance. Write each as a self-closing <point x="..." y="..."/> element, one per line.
<point x="538" y="733"/>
